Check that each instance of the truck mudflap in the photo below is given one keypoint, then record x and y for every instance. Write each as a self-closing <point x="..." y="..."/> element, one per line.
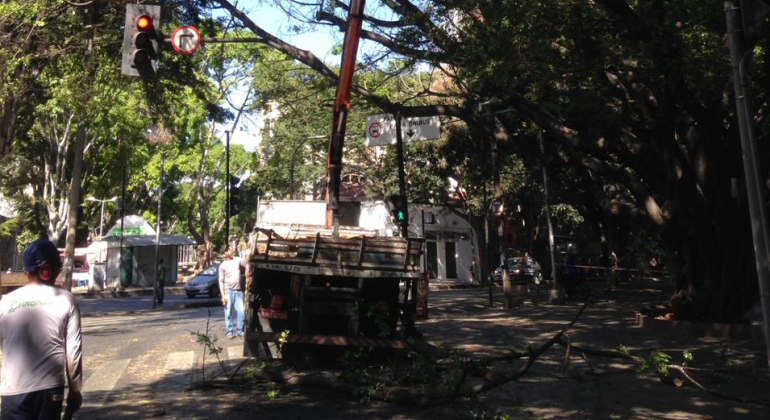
<point x="327" y="340"/>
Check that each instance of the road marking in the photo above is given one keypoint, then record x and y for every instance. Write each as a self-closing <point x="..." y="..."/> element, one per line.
<point x="177" y="375"/>
<point x="92" y="324"/>
<point x="235" y="352"/>
<point x="235" y="357"/>
<point x="101" y="382"/>
<point x="177" y="371"/>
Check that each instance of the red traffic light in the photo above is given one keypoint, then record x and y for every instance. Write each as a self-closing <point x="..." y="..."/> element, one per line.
<point x="144" y="23"/>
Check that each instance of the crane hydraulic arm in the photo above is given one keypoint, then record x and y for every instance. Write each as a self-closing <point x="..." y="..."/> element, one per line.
<point x="341" y="109"/>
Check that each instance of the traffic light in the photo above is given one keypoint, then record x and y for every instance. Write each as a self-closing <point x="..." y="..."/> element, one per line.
<point x="235" y="196"/>
<point x="140" y="40"/>
<point x="400" y="211"/>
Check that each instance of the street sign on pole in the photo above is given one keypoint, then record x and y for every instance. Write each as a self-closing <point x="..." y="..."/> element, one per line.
<point x="186" y="40"/>
<point x="381" y="129"/>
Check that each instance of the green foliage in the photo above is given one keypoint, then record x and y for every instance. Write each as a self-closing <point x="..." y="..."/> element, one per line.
<point x="380" y="319"/>
<point x="483" y="415"/>
<point x="273" y="393"/>
<point x="9" y="228"/>
<point x="210" y="343"/>
<point x="211" y="348"/>
<point x="283" y="339"/>
<point x="656" y="360"/>
<point x="623" y="350"/>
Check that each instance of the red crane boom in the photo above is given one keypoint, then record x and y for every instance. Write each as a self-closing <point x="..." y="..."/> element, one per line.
<point x="341" y="109"/>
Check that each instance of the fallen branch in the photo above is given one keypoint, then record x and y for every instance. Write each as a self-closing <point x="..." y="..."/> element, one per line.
<point x="534" y="354"/>
<point x="683" y="371"/>
<point x="290" y="378"/>
<point x="512" y="355"/>
<point x="596" y="352"/>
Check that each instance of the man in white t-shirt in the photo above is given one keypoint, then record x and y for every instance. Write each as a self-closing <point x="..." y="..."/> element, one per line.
<point x="41" y="341"/>
<point x="232" y="294"/>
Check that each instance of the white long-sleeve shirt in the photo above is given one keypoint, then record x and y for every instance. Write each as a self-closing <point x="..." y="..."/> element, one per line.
<point x="41" y="340"/>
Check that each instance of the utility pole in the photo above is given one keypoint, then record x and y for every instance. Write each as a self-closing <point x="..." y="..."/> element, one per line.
<point x="157" y="235"/>
<point x="122" y="223"/>
<point x="751" y="170"/>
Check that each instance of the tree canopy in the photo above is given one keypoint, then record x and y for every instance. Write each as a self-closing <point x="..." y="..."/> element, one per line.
<point x="632" y="101"/>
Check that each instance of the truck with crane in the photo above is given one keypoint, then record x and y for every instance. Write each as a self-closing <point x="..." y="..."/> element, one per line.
<point x="331" y="285"/>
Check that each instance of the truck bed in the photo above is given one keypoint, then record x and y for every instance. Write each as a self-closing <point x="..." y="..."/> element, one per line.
<point x="304" y="249"/>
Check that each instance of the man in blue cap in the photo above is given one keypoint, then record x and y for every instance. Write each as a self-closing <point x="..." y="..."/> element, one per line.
<point x="41" y="341"/>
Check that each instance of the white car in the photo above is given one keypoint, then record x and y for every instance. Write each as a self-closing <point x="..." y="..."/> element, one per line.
<point x="205" y="283"/>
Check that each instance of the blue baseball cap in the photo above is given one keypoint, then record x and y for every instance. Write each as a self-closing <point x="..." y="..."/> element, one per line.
<point x="40" y="252"/>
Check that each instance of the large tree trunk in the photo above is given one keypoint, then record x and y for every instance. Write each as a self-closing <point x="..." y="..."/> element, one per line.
<point x="75" y="199"/>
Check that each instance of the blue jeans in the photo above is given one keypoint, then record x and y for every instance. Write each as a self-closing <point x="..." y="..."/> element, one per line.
<point x="234" y="301"/>
<point x="39" y="405"/>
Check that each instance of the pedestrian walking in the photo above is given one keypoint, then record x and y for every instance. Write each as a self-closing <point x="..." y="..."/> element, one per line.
<point x="160" y="274"/>
<point x="232" y="294"/>
<point x="41" y="342"/>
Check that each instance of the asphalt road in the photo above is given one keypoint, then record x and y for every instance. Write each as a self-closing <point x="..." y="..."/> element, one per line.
<point x="136" y="358"/>
<point x="139" y="362"/>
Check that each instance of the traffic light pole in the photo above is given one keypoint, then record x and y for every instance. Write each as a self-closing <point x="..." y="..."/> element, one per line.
<point x="401" y="176"/>
<point x="157" y="236"/>
<point x="411" y="285"/>
<point x="228" y="185"/>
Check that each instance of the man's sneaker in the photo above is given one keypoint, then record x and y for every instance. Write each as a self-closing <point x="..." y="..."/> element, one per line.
<point x="229" y="336"/>
<point x="240" y="335"/>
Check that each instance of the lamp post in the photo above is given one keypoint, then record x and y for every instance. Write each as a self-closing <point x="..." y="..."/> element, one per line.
<point x="101" y="218"/>
<point x="293" y="156"/>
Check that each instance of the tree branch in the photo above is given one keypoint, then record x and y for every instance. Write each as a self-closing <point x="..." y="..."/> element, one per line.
<point x="533" y="355"/>
<point x="383" y="40"/>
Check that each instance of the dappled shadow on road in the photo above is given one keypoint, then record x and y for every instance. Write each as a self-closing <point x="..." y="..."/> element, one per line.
<point x="592" y="386"/>
<point x="244" y="399"/>
<point x="580" y="386"/>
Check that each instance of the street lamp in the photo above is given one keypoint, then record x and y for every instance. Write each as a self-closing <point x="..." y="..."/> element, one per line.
<point x="101" y="219"/>
<point x="293" y="155"/>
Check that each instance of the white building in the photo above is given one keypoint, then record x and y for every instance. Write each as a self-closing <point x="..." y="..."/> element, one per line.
<point x="138" y="244"/>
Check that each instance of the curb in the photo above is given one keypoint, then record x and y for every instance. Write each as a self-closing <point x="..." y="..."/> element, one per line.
<point x="179" y="290"/>
<point x="207" y="303"/>
<point x="108" y="294"/>
<point x="455" y="286"/>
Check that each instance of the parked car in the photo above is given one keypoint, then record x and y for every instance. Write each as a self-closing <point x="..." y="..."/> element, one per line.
<point x="522" y="270"/>
<point x="206" y="282"/>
